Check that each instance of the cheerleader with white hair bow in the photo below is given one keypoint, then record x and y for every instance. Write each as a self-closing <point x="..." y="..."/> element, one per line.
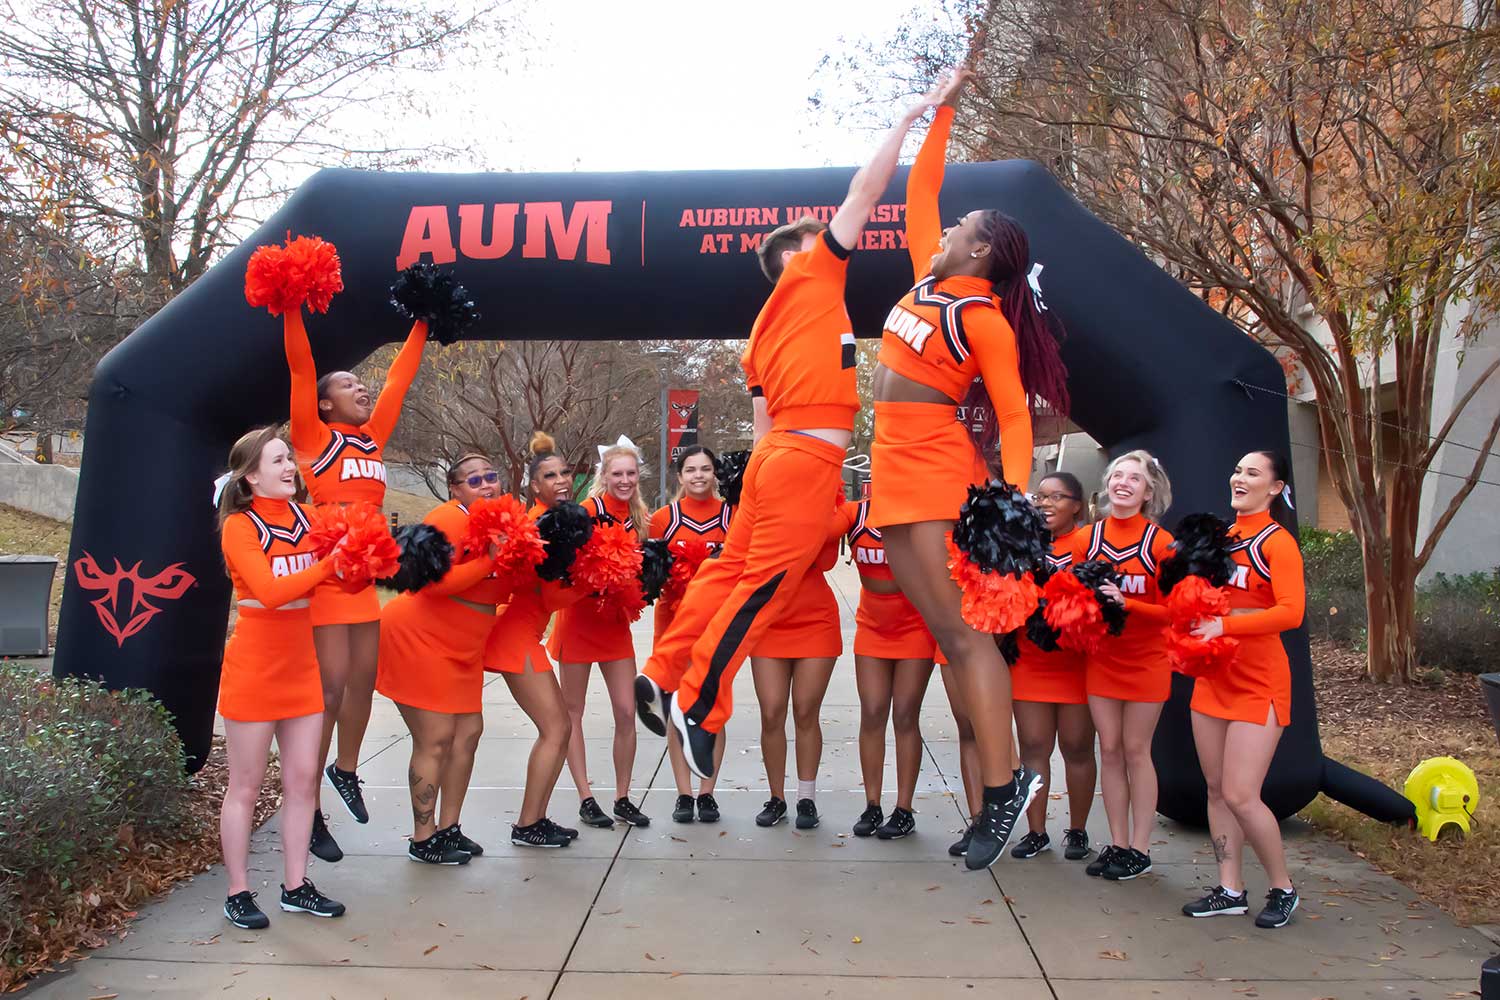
<point x="584" y="635"/>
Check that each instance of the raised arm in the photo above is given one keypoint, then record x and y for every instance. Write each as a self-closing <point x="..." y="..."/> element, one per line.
<point x="308" y="431"/>
<point x="993" y="344"/>
<point x="243" y="554"/>
<point x="1287" y="588"/>
<point x="924" y="225"/>
<point x="397" y="381"/>
<point x="841" y="521"/>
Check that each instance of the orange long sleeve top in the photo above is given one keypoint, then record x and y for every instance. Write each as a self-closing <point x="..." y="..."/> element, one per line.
<point x="1268" y="585"/>
<point x="468" y="579"/>
<point x="946" y="333"/>
<point x="707" y="520"/>
<point x="267" y="552"/>
<point x="342" y="463"/>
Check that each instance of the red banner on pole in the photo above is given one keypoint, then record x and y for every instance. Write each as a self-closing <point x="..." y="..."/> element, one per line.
<point x="682" y="420"/>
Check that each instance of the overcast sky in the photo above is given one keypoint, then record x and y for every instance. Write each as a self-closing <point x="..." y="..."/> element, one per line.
<point x="667" y="85"/>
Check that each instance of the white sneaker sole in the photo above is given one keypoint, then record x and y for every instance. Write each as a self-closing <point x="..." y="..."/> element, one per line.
<point x="652" y="709"/>
<point x="315" y="913"/>
<point x="527" y="843"/>
<point x="1236" y="911"/>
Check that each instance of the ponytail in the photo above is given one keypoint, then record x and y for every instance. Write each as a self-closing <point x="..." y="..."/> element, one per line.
<point x="1282" y="510"/>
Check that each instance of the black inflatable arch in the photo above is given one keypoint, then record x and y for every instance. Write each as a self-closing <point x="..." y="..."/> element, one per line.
<point x="609" y="256"/>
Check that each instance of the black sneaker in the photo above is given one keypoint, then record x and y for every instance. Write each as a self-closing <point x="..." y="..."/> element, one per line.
<point x="708" y="808"/>
<point x="683" y="811"/>
<point x="1031" y="845"/>
<point x="869" y="821"/>
<point x="436" y="850"/>
<point x="307" y="899"/>
<point x="1218" y="903"/>
<point x="347" y="783"/>
<point x="960" y="847"/>
<point x="807" y="814"/>
<point x="1128" y="864"/>
<point x="242" y="912"/>
<point x="1280" y="905"/>
<point x="322" y="845"/>
<point x="697" y="742"/>
<point x="1104" y="860"/>
<point x="773" y="812"/>
<point x="542" y="833"/>
<point x="651" y="705"/>
<point x="1028" y="784"/>
<point x="592" y="815"/>
<point x="1075" y="845"/>
<point x="901" y="824"/>
<point x="457" y="839"/>
<point x="566" y="831"/>
<point x="996" y="821"/>
<point x="626" y="812"/>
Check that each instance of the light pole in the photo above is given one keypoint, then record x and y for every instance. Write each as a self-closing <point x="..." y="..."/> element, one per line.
<point x="663" y="357"/>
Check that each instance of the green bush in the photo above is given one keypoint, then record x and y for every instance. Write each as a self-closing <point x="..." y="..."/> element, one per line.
<point x="1335" y="586"/>
<point x="78" y="764"/>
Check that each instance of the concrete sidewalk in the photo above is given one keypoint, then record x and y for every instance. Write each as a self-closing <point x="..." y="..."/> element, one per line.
<point x="738" y="912"/>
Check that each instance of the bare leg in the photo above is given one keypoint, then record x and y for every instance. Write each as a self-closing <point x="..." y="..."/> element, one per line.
<point x="810" y="676"/>
<point x="1075" y="734"/>
<point x="247" y="745"/>
<point x="574" y="678"/>
<point x="1247" y="756"/>
<point x="297" y="746"/>
<point x="908" y="691"/>
<point x="354" y="713"/>
<point x="541" y="699"/>
<point x="619" y="681"/>
<point x="1036" y="724"/>
<point x="431" y="745"/>
<point x="332" y="644"/>
<point x="453" y="781"/>
<point x="873" y="678"/>
<point x="680" y="773"/>
<point x="1209" y="735"/>
<point x="1140" y="726"/>
<point x="1109" y="720"/>
<point x="773" y="689"/>
<point x="968" y="757"/>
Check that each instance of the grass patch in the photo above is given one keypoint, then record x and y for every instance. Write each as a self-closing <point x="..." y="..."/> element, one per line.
<point x="24" y="534"/>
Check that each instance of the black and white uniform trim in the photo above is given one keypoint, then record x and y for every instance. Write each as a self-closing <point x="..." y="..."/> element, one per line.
<point x="1254" y="547"/>
<point x="1140" y="550"/>
<point x="267" y="532"/>
<point x="330" y="454"/>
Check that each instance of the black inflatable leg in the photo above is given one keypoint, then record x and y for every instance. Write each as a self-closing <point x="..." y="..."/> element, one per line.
<point x="1362" y="792"/>
<point x="1489" y="980"/>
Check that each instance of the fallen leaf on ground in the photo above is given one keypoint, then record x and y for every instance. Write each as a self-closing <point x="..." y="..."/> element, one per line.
<point x="430" y="950"/>
<point x="1114" y="955"/>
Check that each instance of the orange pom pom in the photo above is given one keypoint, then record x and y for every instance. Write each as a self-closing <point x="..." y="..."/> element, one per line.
<point x="1191" y="601"/>
<point x="503" y="522"/>
<point x="1073" y="612"/>
<point x="608" y="560"/>
<point x="992" y="602"/>
<point x="687" y="555"/>
<point x="306" y="271"/>
<point x="361" y="543"/>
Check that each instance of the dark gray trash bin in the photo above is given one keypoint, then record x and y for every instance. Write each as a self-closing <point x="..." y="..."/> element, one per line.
<point x="1491" y="685"/>
<point x="25" y="598"/>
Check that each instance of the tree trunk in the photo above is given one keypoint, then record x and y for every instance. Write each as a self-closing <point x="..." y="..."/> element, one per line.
<point x="1390" y="611"/>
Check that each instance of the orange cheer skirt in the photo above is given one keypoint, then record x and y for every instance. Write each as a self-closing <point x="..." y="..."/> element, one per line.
<point x="333" y="605"/>
<point x="583" y="635"/>
<point x="889" y="627"/>
<point x="431" y="653"/>
<point x="1131" y="666"/>
<point x="1257" y="680"/>
<point x="1055" y="678"/>
<point x="270" y="668"/>
<point x="517" y="634"/>
<point x="922" y="463"/>
<point x="808" y="627"/>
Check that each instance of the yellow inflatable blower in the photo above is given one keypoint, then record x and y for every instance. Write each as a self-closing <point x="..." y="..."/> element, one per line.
<point x="1445" y="793"/>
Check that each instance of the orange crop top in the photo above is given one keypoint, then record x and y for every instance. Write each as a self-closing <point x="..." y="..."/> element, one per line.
<point x="946" y="333"/>
<point x="470" y="579"/>
<point x="1268" y="578"/>
<point x="706" y="520"/>
<point x="1135" y="547"/>
<point x="342" y="463"/>
<point x="268" y="553"/>
<point x="865" y="546"/>
<point x="801" y="351"/>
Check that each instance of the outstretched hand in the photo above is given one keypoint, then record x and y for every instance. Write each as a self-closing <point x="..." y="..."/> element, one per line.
<point x="944" y="91"/>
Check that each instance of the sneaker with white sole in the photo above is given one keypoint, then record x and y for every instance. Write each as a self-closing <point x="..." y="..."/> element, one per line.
<point x="307" y="899"/>
<point x="1031" y="845"/>
<point x="1218" y="903"/>
<point x="1280" y="905"/>
<point x="347" y="783"/>
<point x="697" y="742"/>
<point x="542" y="833"/>
<point x="242" y="911"/>
<point x="651" y="704"/>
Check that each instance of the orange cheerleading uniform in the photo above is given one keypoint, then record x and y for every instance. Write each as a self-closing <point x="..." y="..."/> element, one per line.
<point x="886" y="626"/>
<point x="270" y="667"/>
<point x="1055" y="677"/>
<point x="1131" y="666"/>
<point x="582" y="634"/>
<point x="801" y="359"/>
<point x="1267" y="597"/>
<point x="704" y="520"/>
<point x="517" y="633"/>
<point x="942" y="334"/>
<point x="810" y="624"/>
<point x="342" y="463"/>
<point x="432" y="641"/>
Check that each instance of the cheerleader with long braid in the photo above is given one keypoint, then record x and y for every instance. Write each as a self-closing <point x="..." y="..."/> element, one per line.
<point x="583" y="636"/>
<point x="1239" y="710"/>
<point x="1128" y="678"/>
<point x="697" y="514"/>
<point x="972" y="314"/>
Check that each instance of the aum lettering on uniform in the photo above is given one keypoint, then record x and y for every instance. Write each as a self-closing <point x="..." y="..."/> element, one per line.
<point x="1241" y="578"/>
<point x="1132" y="583"/>
<point x="873" y="557"/>
<point x="362" y="468"/>
<point x="295" y="563"/>
<point x="910" y="327"/>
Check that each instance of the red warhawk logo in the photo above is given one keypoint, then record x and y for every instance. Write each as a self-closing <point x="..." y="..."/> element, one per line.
<point x="684" y="410"/>
<point x="168" y="585"/>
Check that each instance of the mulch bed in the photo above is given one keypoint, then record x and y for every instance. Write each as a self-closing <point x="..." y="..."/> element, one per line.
<point x="62" y="922"/>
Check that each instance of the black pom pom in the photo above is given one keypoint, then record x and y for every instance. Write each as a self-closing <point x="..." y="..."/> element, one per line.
<point x="565" y="528"/>
<point x="732" y="475"/>
<point x="1010" y="647"/>
<point x="656" y="566"/>
<point x="426" y="556"/>
<point x="1042" y="635"/>
<point x="1199" y="548"/>
<point x="422" y="291"/>
<point x="1001" y="531"/>
<point x="1094" y="575"/>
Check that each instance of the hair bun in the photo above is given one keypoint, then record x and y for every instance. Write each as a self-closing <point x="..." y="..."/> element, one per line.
<point x="542" y="443"/>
